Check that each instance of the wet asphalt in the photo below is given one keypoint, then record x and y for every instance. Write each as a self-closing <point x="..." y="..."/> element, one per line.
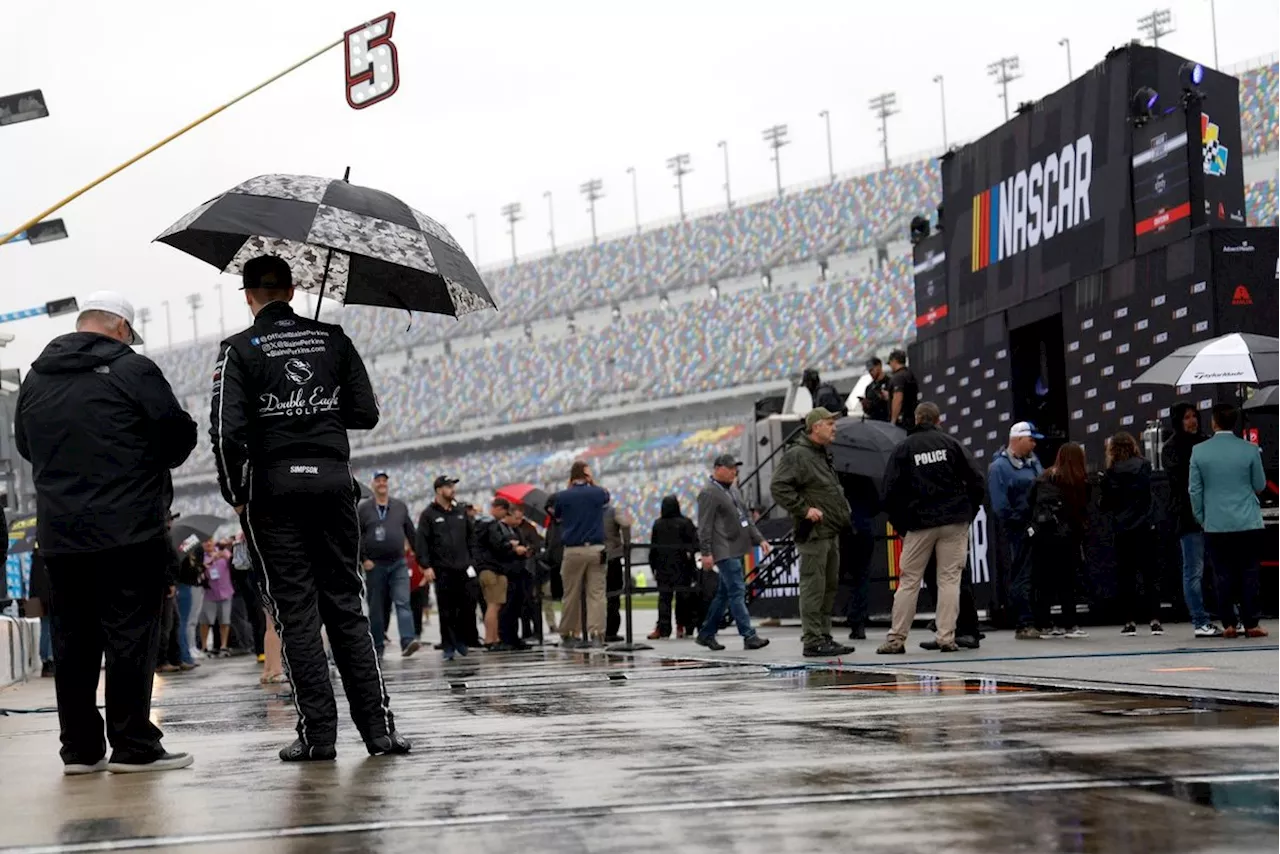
<point x="1008" y="748"/>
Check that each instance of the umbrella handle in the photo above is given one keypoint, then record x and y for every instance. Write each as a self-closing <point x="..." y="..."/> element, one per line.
<point x="325" y="277"/>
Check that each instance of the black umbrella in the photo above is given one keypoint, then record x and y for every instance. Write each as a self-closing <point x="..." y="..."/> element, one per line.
<point x="863" y="447"/>
<point x="353" y="244"/>
<point x="200" y="527"/>
<point x="1264" y="398"/>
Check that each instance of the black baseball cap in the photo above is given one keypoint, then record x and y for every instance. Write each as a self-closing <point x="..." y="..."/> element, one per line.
<point x="727" y="460"/>
<point x="266" y="271"/>
<point x="444" y="480"/>
<point x="874" y="361"/>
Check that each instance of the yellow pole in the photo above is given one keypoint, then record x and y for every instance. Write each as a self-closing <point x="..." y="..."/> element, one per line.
<point x="170" y="138"/>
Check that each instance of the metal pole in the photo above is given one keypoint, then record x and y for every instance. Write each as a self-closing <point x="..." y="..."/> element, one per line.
<point x="1066" y="42"/>
<point x="831" y="163"/>
<point x="635" y="196"/>
<point x="728" y="197"/>
<point x="942" y="92"/>
<point x="222" y="311"/>
<point x="475" y="239"/>
<point x="170" y="138"/>
<point x="551" y="218"/>
<point x="1213" y="17"/>
<point x="628" y="644"/>
<point x="168" y="323"/>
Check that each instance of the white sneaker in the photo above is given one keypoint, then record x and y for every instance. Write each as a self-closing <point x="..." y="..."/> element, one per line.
<point x="1077" y="633"/>
<point x="74" y="769"/>
<point x="1208" y="630"/>
<point x="1058" y="632"/>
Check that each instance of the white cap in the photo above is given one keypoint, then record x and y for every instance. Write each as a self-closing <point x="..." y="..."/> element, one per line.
<point x="1023" y="430"/>
<point x="112" y="303"/>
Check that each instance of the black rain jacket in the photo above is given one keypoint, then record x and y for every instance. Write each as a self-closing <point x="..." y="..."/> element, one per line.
<point x="101" y="428"/>
<point x="446" y="539"/>
<point x="930" y="481"/>
<point x="285" y="392"/>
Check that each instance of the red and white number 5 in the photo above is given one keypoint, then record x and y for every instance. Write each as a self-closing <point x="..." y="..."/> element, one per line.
<point x="373" y="72"/>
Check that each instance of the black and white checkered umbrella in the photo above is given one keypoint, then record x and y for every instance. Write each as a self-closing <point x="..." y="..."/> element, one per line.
<point x="1235" y="358"/>
<point x="354" y="244"/>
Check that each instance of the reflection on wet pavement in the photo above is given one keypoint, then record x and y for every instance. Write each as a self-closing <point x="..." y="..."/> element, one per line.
<point x="567" y="752"/>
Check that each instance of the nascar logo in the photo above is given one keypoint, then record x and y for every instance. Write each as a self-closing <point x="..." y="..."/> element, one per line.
<point x="1032" y="206"/>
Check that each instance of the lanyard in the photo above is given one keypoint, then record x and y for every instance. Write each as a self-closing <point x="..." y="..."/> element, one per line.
<point x="382" y="510"/>
<point x="742" y="513"/>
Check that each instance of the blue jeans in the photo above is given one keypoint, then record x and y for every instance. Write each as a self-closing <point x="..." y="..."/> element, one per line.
<point x="1193" y="577"/>
<point x="731" y="596"/>
<point x="46" y="638"/>
<point x="389" y="580"/>
<point x="184" y="618"/>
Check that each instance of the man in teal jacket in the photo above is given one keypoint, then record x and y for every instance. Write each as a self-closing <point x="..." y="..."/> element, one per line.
<point x="1225" y="479"/>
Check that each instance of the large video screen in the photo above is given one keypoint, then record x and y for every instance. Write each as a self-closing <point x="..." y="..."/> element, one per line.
<point x="1161" y="182"/>
<point x="930" y="272"/>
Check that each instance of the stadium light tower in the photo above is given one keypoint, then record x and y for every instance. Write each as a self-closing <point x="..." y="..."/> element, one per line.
<point x="551" y="220"/>
<point x="728" y="197"/>
<point x="144" y="317"/>
<point x="776" y="136"/>
<point x="1004" y="70"/>
<point x="593" y="190"/>
<point x="512" y="213"/>
<point x="831" y="163"/>
<point x="195" y="301"/>
<point x="679" y="166"/>
<point x="1158" y="23"/>
<point x="1066" y="42"/>
<point x="168" y="323"/>
<point x="942" y="92"/>
<point x="883" y="106"/>
<point x="475" y="240"/>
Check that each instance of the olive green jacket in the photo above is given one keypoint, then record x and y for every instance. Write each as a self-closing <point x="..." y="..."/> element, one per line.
<point x="805" y="478"/>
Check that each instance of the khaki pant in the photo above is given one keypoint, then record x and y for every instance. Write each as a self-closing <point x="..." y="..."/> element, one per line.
<point x="951" y="545"/>
<point x="819" y="576"/>
<point x="583" y="565"/>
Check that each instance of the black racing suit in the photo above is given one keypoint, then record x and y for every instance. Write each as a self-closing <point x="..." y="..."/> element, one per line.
<point x="446" y="543"/>
<point x="285" y="392"/>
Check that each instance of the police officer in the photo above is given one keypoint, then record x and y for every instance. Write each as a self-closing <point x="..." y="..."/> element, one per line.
<point x="285" y="392"/>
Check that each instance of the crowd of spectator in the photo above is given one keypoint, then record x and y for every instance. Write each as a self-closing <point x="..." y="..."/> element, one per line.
<point x="1259" y="90"/>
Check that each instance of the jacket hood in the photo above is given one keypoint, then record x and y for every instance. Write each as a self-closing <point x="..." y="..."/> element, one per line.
<point x="1133" y="465"/>
<point x="670" y="507"/>
<point x="78" y="352"/>
<point x="1176" y="413"/>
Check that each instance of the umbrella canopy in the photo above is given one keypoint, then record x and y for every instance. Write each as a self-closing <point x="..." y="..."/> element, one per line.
<point x="354" y="244"/>
<point x="863" y="447"/>
<point x="533" y="498"/>
<point x="1234" y="358"/>
<point x="1264" y="398"/>
<point x="200" y="527"/>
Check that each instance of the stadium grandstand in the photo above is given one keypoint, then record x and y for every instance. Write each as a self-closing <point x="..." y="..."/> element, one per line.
<point x="644" y="353"/>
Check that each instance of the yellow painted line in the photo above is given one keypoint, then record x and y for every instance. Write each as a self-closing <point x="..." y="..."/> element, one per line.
<point x="1180" y="669"/>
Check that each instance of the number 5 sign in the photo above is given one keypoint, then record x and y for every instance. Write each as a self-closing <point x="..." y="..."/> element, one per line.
<point x="373" y="71"/>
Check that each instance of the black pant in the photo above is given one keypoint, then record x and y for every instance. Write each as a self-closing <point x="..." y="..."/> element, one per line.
<point x="1055" y="565"/>
<point x="418" y="599"/>
<point x="666" y="577"/>
<point x="512" y="610"/>
<point x="613" y="607"/>
<point x="1021" y="592"/>
<point x="1235" y="561"/>
<point x="1135" y="574"/>
<point x="858" y="577"/>
<point x="304" y="550"/>
<point x="108" y="602"/>
<point x="247" y="591"/>
<point x="169" y="652"/>
<point x="456" y="603"/>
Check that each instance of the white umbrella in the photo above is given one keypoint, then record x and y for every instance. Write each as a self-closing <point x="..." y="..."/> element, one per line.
<point x="1234" y="358"/>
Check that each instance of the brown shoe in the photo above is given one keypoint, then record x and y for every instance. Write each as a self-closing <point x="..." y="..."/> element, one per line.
<point x="656" y="635"/>
<point x="1230" y="632"/>
<point x="1256" y="632"/>
<point x="892" y="647"/>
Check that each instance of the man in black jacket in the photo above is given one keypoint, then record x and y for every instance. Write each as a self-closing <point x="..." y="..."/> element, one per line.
<point x="931" y="492"/>
<point x="1175" y="456"/>
<point x="102" y="429"/>
<point x="500" y="555"/>
<point x="285" y="392"/>
<point x="446" y="545"/>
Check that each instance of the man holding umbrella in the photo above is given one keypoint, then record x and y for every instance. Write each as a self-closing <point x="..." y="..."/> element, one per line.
<point x="285" y="393"/>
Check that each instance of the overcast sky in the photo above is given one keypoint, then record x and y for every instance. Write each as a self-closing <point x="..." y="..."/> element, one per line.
<point x="499" y="102"/>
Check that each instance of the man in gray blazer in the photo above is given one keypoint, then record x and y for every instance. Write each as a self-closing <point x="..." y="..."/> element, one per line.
<point x="725" y="535"/>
